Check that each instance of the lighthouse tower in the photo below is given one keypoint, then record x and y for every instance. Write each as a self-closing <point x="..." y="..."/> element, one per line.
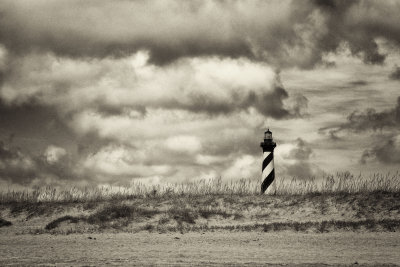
<point x="268" y="172"/>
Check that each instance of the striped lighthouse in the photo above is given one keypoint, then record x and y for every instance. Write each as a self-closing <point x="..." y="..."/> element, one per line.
<point x="268" y="172"/>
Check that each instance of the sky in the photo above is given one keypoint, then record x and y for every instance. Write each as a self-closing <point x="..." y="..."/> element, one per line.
<point x="114" y="92"/>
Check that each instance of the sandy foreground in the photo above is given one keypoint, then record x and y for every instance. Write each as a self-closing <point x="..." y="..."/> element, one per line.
<point x="196" y="248"/>
<point x="210" y="230"/>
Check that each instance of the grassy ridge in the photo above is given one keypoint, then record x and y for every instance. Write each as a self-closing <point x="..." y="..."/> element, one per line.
<point x="340" y="183"/>
<point x="374" y="211"/>
<point x="341" y="202"/>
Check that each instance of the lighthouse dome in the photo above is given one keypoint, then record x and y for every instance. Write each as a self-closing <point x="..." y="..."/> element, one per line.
<point x="268" y="134"/>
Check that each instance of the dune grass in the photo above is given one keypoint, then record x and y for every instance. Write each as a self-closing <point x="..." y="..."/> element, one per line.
<point x="340" y="183"/>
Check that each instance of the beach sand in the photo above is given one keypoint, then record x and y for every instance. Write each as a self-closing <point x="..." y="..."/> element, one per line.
<point x="195" y="248"/>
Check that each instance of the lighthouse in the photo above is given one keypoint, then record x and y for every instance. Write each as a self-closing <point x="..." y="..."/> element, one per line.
<point x="268" y="172"/>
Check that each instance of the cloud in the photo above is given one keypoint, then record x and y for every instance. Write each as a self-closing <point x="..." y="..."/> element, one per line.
<point x="294" y="159"/>
<point x="15" y="165"/>
<point x="282" y="33"/>
<point x="153" y="162"/>
<point x="395" y="75"/>
<point x="53" y="154"/>
<point x="243" y="167"/>
<point x="359" y="83"/>
<point x="370" y="119"/>
<point x="183" y="144"/>
<point x="125" y="85"/>
<point x="188" y="145"/>
<point x="301" y="151"/>
<point x="119" y="162"/>
<point x="155" y="91"/>
<point x="376" y="129"/>
<point x="21" y="167"/>
<point x="388" y="152"/>
<point x="209" y="159"/>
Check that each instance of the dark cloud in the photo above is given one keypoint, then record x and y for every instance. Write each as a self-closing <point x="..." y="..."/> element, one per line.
<point x="354" y="23"/>
<point x="22" y="167"/>
<point x="284" y="33"/>
<point x="269" y="103"/>
<point x="33" y="125"/>
<point x="386" y="148"/>
<point x="15" y="166"/>
<point x="388" y="152"/>
<point x="395" y="75"/>
<point x="367" y="120"/>
<point x="359" y="83"/>
<point x="272" y="103"/>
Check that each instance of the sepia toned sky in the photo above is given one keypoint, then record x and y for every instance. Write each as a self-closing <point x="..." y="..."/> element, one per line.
<point x="110" y="92"/>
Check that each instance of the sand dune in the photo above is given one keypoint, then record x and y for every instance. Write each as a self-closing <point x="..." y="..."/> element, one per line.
<point x="302" y="230"/>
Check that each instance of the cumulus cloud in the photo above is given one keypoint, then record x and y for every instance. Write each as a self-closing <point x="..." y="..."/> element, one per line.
<point x="120" y="162"/>
<point x="167" y="117"/>
<point x="115" y="86"/>
<point x="187" y="146"/>
<point x="156" y="163"/>
<point x="283" y="33"/>
<point x="153" y="90"/>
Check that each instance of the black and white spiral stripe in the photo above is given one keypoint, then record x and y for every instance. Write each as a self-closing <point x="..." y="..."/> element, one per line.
<point x="268" y="172"/>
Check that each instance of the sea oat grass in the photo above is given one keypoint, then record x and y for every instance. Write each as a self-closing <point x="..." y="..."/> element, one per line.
<point x="341" y="183"/>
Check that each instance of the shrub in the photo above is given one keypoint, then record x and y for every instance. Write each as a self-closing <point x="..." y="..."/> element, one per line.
<point x="4" y="222"/>
<point x="121" y="212"/>
<point x="56" y="222"/>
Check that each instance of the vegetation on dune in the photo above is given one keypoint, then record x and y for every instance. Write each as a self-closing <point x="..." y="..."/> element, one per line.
<point x="319" y="227"/>
<point x="343" y="202"/>
<point x="4" y="222"/>
<point x="325" y="226"/>
<point x="118" y="216"/>
<point x="57" y="222"/>
<point x="375" y="211"/>
<point x="329" y="184"/>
